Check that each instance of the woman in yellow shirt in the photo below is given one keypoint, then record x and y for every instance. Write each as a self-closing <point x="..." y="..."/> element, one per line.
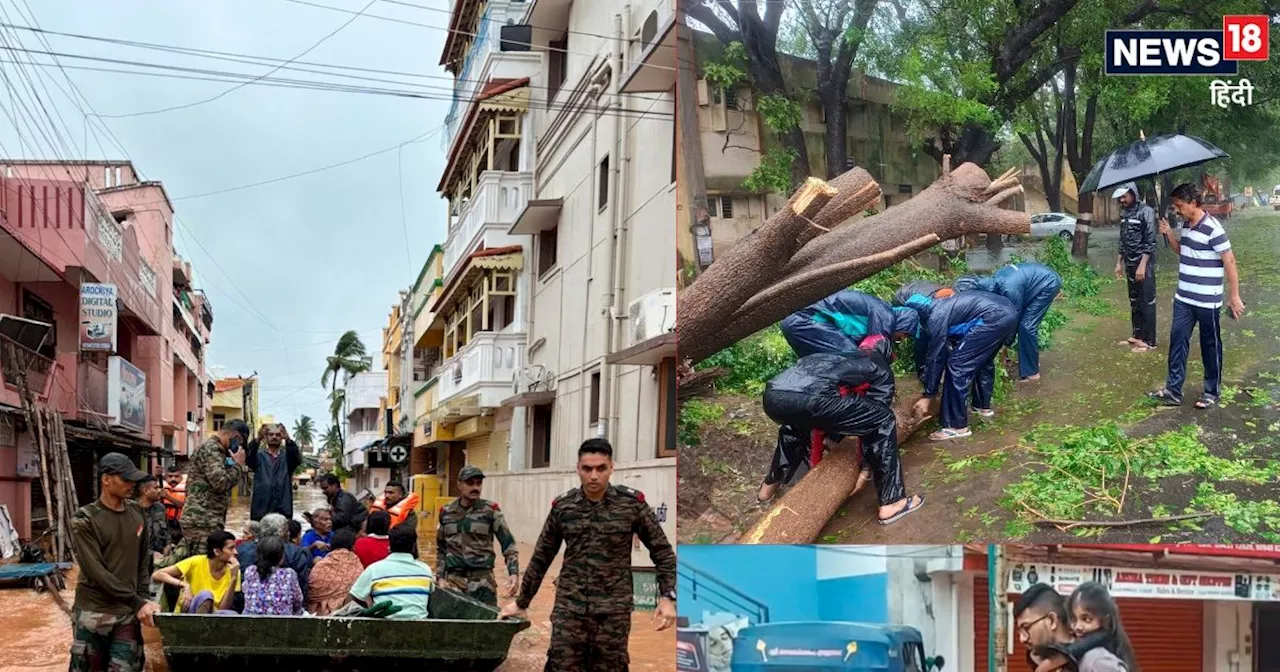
<point x="217" y="572"/>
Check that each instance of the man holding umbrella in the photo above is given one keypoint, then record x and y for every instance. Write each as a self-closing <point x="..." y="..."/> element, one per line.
<point x="1205" y="259"/>
<point x="1137" y="264"/>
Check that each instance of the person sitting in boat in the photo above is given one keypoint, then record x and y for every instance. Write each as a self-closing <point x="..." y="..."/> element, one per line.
<point x="399" y="578"/>
<point x="316" y="540"/>
<point x="295" y="532"/>
<point x="207" y="582"/>
<point x="334" y="574"/>
<point x="271" y="589"/>
<point x="275" y="526"/>
<point x="374" y="545"/>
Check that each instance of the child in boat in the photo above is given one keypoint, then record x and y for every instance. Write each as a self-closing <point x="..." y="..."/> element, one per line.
<point x="270" y="589"/>
<point x="399" y="579"/>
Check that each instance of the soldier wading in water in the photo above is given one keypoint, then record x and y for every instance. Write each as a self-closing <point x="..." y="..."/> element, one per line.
<point x="464" y="542"/>
<point x="591" y="621"/>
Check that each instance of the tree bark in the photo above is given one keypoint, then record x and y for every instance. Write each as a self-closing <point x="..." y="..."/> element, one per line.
<point x="800" y="513"/>
<point x="793" y="260"/>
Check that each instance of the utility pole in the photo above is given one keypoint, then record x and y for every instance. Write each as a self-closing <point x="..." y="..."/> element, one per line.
<point x="996" y="591"/>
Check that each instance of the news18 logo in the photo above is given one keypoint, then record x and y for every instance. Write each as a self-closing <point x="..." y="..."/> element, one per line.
<point x="1188" y="52"/>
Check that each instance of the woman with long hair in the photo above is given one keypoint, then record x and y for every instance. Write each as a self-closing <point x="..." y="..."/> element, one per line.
<point x="269" y="588"/>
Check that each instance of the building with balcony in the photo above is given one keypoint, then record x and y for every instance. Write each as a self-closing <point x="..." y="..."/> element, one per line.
<point x="133" y="378"/>
<point x="558" y="307"/>
<point x="434" y="450"/>
<point x="364" y="404"/>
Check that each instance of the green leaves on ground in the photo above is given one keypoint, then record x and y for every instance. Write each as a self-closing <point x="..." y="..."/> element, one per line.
<point x="1097" y="472"/>
<point x="752" y="361"/>
<point x="694" y="414"/>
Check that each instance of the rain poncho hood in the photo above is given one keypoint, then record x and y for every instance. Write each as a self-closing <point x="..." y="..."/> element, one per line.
<point x="1127" y="187"/>
<point x="968" y="283"/>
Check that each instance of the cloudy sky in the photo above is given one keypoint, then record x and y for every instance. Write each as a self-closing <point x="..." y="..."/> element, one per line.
<point x="290" y="265"/>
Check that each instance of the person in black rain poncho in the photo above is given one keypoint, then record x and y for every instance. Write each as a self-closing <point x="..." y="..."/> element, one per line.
<point x="963" y="332"/>
<point x="841" y="321"/>
<point x="845" y="394"/>
<point x="1031" y="287"/>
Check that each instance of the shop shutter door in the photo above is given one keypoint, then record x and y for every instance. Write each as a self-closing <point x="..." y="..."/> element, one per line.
<point x="1167" y="635"/>
<point x="478" y="452"/>
<point x="981" y="623"/>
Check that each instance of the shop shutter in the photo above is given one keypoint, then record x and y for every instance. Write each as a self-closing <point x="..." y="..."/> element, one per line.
<point x="478" y="452"/>
<point x="1167" y="635"/>
<point x="981" y="623"/>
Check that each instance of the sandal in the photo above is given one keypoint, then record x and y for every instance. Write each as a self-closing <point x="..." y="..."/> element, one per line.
<point x="1130" y="342"/>
<point x="766" y="500"/>
<point x="985" y="412"/>
<point x="913" y="504"/>
<point x="948" y="433"/>
<point x="1206" y="401"/>
<point x="1165" y="397"/>
<point x="1144" y="347"/>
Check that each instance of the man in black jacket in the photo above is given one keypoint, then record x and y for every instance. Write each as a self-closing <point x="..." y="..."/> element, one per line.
<point x="845" y="394"/>
<point x="1137" y="264"/>
<point x="272" y="470"/>
<point x="347" y="512"/>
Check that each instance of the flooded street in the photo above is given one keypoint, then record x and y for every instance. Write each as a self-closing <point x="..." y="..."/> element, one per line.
<point x="37" y="635"/>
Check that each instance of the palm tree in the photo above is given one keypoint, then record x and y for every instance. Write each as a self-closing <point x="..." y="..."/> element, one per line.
<point x="349" y="358"/>
<point x="304" y="431"/>
<point x="331" y="443"/>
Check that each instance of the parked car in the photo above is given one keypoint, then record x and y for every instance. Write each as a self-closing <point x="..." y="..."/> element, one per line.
<point x="1047" y="224"/>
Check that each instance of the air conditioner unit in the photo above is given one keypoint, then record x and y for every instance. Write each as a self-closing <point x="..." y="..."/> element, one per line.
<point x="652" y="315"/>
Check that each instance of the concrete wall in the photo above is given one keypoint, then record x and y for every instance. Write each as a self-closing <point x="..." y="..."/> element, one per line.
<point x="1228" y="633"/>
<point x="781" y="577"/>
<point x="526" y="496"/>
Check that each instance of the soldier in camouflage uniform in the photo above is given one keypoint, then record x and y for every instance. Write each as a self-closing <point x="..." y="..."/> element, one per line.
<point x="464" y="542"/>
<point x="591" y="621"/>
<point x="214" y="470"/>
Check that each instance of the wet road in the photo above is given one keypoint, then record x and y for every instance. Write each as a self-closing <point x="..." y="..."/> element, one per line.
<point x="37" y="635"/>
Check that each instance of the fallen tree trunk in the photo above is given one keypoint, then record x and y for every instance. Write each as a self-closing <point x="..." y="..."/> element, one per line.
<point x="814" y="247"/>
<point x="800" y="513"/>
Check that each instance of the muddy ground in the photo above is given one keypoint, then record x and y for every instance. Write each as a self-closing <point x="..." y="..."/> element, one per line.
<point x="1088" y="379"/>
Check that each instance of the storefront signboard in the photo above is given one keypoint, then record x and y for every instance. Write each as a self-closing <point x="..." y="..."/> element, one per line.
<point x="1149" y="583"/>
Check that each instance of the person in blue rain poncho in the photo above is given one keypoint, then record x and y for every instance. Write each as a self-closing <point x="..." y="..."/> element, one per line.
<point x="963" y="332"/>
<point x="843" y="320"/>
<point x="1031" y="288"/>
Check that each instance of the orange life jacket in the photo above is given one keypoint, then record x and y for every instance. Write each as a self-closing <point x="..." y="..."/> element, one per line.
<point x="178" y="492"/>
<point x="400" y="512"/>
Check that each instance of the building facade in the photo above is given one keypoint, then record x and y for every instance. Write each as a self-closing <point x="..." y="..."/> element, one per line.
<point x="1185" y="608"/>
<point x="558" y="293"/>
<point x="365" y="401"/>
<point x="132" y="379"/>
<point x="733" y="137"/>
<point x="234" y="399"/>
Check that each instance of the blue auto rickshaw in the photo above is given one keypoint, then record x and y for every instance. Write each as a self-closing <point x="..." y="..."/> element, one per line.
<point x="828" y="646"/>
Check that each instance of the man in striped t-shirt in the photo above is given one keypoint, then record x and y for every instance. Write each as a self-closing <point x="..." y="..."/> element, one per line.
<point x="1205" y="259"/>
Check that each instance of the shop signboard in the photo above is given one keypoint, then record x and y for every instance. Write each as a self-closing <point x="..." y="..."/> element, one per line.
<point x="1264" y="551"/>
<point x="126" y="395"/>
<point x="98" y="317"/>
<point x="1148" y="583"/>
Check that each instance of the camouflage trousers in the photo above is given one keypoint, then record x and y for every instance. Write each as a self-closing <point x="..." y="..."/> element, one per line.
<point x="478" y="584"/>
<point x="588" y="642"/>
<point x="102" y="642"/>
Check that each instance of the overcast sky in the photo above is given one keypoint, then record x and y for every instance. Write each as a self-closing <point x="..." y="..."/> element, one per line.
<point x="316" y="255"/>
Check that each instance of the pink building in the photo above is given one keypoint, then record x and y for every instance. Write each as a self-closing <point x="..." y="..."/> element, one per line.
<point x="64" y="224"/>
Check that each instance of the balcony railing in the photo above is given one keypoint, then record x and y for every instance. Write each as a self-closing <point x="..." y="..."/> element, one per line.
<point x="487" y="365"/>
<point x="16" y="360"/>
<point x="474" y="74"/>
<point x="499" y="198"/>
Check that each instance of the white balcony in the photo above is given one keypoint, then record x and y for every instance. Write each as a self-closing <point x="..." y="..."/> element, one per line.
<point x="499" y="198"/>
<point x="486" y="62"/>
<point x="485" y="367"/>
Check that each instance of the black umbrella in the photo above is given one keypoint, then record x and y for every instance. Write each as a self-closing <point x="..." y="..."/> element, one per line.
<point x="1148" y="158"/>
